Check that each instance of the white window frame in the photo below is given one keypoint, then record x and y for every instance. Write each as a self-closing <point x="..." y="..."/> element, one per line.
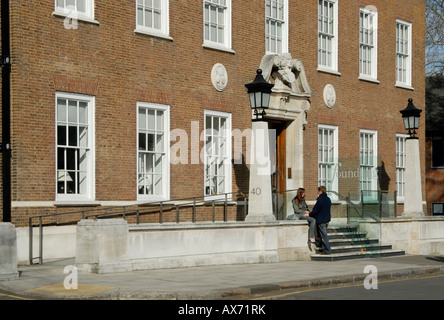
<point x="164" y="29"/>
<point x="403" y="54"/>
<point x="64" y="174"/>
<point x="368" y="44"/>
<point x="328" y="163"/>
<point x="328" y="37"/>
<point x="276" y="14"/>
<point x="224" y="45"/>
<point x="368" y="164"/>
<point x="225" y="158"/>
<point x="163" y="193"/>
<point x="66" y="9"/>
<point x="400" y="166"/>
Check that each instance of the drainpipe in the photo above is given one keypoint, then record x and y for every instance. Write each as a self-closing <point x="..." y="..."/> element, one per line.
<point x="5" y="146"/>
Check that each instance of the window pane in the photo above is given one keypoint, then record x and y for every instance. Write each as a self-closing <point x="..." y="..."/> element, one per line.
<point x="61" y="135"/>
<point x="157" y="20"/>
<point x="438" y="152"/>
<point x="140" y="16"/>
<point x="71" y="159"/>
<point x="72" y="111"/>
<point x="61" y="158"/>
<point x="160" y="120"/>
<point x="151" y="145"/>
<point x="61" y="110"/>
<point x="83" y="112"/>
<point x="72" y="136"/>
<point x="142" y="141"/>
<point x="151" y="119"/>
<point x="142" y="119"/>
<point x="81" y="6"/>
<point x="83" y="137"/>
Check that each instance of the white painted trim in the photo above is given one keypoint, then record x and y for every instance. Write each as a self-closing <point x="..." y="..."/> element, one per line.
<point x="164" y="30"/>
<point x="91" y="162"/>
<point x="228" y="165"/>
<point x="374" y="69"/>
<point x="226" y="46"/>
<point x="165" y="171"/>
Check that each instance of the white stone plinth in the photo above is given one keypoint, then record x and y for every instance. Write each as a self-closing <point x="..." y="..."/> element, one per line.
<point x="102" y="246"/>
<point x="412" y="177"/>
<point x="8" y="252"/>
<point x="260" y="207"/>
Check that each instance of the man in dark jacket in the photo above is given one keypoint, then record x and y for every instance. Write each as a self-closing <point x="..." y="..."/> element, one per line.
<point x="321" y="212"/>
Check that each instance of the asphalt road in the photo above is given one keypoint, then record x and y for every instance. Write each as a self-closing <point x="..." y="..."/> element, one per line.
<point x="9" y="296"/>
<point x="420" y="288"/>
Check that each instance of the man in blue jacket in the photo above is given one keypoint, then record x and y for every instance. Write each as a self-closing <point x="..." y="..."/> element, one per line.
<point x="321" y="212"/>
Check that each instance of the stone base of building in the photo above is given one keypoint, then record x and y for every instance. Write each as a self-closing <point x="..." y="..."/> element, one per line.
<point x="106" y="246"/>
<point x="8" y="252"/>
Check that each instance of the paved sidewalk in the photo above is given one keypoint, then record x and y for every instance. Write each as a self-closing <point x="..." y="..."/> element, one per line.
<point x="210" y="282"/>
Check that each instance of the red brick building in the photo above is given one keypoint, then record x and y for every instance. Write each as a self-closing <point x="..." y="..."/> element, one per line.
<point x="435" y="145"/>
<point x="110" y="99"/>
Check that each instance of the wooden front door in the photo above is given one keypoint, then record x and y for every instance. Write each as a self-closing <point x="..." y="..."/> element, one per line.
<point x="278" y="177"/>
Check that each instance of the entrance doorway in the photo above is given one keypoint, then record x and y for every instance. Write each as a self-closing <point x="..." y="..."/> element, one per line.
<point x="279" y="174"/>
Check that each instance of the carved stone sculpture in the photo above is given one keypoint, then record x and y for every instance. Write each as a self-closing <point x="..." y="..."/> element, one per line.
<point x="288" y="74"/>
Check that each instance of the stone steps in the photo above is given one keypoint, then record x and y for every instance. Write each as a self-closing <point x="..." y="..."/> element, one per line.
<point x="348" y="243"/>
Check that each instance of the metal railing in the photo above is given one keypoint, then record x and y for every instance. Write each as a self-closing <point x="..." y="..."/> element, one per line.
<point x="358" y="207"/>
<point x="137" y="210"/>
<point x="238" y="198"/>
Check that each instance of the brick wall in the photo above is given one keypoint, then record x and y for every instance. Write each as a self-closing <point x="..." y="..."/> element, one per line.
<point x="120" y="67"/>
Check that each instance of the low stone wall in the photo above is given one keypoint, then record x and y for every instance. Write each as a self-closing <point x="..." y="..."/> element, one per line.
<point x="8" y="252"/>
<point x="185" y="245"/>
<point x="424" y="235"/>
<point x="59" y="242"/>
<point x="105" y="246"/>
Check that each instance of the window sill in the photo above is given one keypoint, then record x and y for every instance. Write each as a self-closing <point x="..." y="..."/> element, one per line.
<point x="218" y="47"/>
<point x="152" y="201"/>
<point x="372" y="80"/>
<point x="404" y="86"/>
<point x="330" y="71"/>
<point x="79" y="203"/>
<point x="217" y="198"/>
<point x="153" y="34"/>
<point x="79" y="17"/>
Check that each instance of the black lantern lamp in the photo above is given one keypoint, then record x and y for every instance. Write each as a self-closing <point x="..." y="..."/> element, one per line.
<point x="260" y="92"/>
<point x="411" y="117"/>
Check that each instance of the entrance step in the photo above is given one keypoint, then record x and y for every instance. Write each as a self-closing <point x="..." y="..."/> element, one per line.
<point x="347" y="242"/>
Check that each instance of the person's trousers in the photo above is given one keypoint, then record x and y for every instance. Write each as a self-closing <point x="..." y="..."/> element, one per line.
<point x="311" y="226"/>
<point x="324" y="237"/>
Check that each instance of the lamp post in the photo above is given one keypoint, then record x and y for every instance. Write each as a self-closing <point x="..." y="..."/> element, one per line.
<point x="413" y="190"/>
<point x="411" y="117"/>
<point x="260" y="92"/>
<point x="260" y="207"/>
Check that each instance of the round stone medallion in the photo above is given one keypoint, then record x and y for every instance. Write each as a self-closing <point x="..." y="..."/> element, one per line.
<point x="219" y="77"/>
<point x="329" y="96"/>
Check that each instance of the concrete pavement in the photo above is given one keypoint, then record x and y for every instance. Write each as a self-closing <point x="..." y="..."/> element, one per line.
<point x="208" y="282"/>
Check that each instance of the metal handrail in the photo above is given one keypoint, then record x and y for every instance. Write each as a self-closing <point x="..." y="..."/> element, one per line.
<point x="160" y="207"/>
<point x="123" y="211"/>
<point x="357" y="207"/>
